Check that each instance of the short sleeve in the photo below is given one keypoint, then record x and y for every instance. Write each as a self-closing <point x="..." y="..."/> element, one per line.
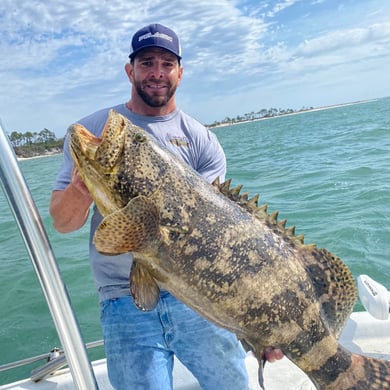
<point x="212" y="160"/>
<point x="64" y="174"/>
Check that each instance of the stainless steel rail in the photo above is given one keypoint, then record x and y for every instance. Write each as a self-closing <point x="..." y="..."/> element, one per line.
<point x="42" y="257"/>
<point x="55" y="362"/>
<point x="24" y="362"/>
<point x="56" y="355"/>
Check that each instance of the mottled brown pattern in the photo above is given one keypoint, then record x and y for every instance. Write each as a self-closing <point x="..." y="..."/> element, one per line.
<point x="222" y="254"/>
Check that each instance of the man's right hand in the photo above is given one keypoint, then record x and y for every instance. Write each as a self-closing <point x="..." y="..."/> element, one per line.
<point x="78" y="183"/>
<point x="69" y="208"/>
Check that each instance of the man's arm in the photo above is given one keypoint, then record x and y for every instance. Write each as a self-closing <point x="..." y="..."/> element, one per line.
<point x="69" y="208"/>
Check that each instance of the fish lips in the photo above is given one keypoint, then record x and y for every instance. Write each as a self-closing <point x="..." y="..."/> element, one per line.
<point x="94" y="167"/>
<point x="82" y="142"/>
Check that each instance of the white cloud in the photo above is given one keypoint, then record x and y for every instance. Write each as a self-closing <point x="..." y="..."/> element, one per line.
<point x="372" y="36"/>
<point x="278" y="7"/>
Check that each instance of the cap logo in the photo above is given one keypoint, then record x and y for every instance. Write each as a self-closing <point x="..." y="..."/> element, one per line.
<point x="155" y="35"/>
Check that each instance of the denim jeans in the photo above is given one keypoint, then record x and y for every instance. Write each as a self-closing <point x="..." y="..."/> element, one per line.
<point x="140" y="347"/>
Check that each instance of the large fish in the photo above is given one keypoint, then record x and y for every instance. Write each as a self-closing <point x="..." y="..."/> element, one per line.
<point x="221" y="254"/>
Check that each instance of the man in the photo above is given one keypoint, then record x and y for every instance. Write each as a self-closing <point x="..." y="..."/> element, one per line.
<point x="140" y="345"/>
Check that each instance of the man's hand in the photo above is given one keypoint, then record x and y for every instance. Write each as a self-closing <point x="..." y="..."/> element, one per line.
<point x="273" y="354"/>
<point x="69" y="208"/>
<point x="78" y="183"/>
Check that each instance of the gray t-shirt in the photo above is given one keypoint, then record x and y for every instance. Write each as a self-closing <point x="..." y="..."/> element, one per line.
<point x="182" y="135"/>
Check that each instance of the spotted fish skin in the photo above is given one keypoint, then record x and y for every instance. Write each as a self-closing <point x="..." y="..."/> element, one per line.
<point x="220" y="253"/>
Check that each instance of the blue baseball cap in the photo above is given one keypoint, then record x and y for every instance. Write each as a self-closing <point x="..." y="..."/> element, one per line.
<point x="155" y="35"/>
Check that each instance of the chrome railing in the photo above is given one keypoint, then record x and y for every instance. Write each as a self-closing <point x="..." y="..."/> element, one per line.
<point x="54" y="360"/>
<point x="42" y="256"/>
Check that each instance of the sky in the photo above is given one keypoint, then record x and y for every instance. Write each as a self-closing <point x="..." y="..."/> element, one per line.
<point x="64" y="59"/>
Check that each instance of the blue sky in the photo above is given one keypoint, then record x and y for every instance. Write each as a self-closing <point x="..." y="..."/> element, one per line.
<point x="62" y="60"/>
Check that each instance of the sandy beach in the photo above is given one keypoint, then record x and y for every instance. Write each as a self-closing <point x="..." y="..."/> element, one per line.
<point x="293" y="113"/>
<point x="39" y="156"/>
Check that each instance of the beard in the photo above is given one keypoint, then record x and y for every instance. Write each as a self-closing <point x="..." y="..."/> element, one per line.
<point x="155" y="100"/>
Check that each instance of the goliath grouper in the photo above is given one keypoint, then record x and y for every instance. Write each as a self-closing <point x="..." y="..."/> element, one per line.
<point x="221" y="254"/>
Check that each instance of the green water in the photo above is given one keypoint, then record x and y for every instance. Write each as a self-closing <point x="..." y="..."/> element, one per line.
<point x="327" y="172"/>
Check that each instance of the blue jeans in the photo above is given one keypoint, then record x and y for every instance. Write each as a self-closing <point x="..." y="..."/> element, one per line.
<point x="140" y="347"/>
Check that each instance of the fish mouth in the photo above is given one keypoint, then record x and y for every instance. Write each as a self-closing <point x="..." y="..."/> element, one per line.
<point x="104" y="150"/>
<point x="84" y="147"/>
<point x="84" y="141"/>
<point x="98" y="172"/>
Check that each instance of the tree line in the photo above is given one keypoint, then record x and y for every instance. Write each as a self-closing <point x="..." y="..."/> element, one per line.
<point x="30" y="144"/>
<point x="263" y="113"/>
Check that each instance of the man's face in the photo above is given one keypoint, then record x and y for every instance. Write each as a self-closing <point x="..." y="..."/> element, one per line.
<point x="155" y="75"/>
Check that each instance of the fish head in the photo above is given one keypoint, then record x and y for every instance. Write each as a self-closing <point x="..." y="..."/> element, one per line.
<point x="122" y="164"/>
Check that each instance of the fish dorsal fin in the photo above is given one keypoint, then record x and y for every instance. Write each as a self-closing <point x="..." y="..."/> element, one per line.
<point x="332" y="279"/>
<point x="143" y="287"/>
<point x="251" y="205"/>
<point x="129" y="229"/>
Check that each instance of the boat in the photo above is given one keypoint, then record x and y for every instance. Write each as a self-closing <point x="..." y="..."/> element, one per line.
<point x="366" y="332"/>
<point x="363" y="334"/>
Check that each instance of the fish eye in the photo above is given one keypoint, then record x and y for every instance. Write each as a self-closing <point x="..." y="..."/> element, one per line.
<point x="139" y="137"/>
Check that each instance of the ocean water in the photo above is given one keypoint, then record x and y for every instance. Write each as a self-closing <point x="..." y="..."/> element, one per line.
<point x="327" y="172"/>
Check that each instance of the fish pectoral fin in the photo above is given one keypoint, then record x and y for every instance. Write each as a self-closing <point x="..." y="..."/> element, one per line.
<point x="132" y="228"/>
<point x="143" y="287"/>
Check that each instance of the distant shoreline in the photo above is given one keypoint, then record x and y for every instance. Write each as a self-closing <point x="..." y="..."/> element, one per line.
<point x="292" y="113"/>
<point x="39" y="156"/>
<point x="224" y="124"/>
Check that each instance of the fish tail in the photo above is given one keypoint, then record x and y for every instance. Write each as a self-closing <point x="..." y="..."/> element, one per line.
<point x="376" y="373"/>
<point x="363" y="373"/>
